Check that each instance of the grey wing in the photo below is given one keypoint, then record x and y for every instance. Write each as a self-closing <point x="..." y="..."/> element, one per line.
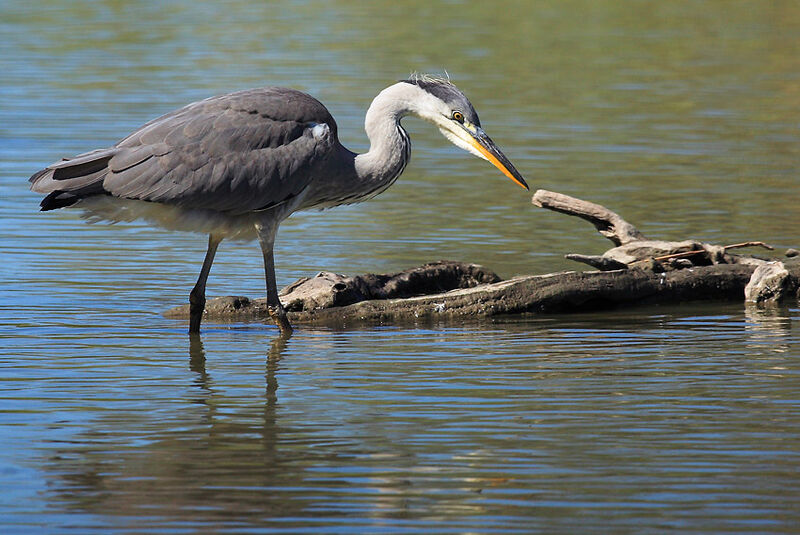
<point x="235" y="153"/>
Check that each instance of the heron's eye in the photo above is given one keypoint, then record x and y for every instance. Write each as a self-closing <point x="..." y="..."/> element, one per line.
<point x="458" y="116"/>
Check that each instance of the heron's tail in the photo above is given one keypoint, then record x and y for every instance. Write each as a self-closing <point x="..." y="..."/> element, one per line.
<point x="70" y="180"/>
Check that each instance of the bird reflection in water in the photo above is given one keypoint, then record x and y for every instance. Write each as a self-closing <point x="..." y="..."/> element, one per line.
<point x="222" y="448"/>
<point x="197" y="364"/>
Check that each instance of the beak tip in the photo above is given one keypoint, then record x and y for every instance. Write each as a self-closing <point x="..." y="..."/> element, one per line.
<point x="521" y="181"/>
<point x="489" y="151"/>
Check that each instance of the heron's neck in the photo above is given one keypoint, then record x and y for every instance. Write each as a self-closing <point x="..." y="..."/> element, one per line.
<point x="390" y="146"/>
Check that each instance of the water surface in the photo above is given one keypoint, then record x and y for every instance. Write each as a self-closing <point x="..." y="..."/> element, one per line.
<point x="683" y="117"/>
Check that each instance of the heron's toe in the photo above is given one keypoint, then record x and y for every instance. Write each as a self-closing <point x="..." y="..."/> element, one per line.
<point x="278" y="315"/>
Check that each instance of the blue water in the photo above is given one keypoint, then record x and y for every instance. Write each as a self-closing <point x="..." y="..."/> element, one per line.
<point x="555" y="424"/>
<point x="685" y="418"/>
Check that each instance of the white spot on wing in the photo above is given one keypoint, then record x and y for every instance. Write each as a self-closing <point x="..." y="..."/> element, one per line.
<point x="319" y="130"/>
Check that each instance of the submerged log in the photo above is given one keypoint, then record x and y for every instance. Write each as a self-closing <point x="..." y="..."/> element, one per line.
<point x="636" y="271"/>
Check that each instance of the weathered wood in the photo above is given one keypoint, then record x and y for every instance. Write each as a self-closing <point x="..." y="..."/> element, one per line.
<point x="770" y="283"/>
<point x="633" y="249"/>
<point x="553" y="293"/>
<point x="569" y="291"/>
<point x="330" y="290"/>
<point x="602" y="263"/>
<point x="608" y="223"/>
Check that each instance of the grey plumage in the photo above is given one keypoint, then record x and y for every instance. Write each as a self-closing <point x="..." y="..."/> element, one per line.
<point x="236" y="165"/>
<point x="234" y="153"/>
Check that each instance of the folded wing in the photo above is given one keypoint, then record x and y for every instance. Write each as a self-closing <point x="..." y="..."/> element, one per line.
<point x="234" y="153"/>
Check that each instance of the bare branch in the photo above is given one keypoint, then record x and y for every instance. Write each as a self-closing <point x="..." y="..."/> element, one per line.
<point x="750" y="244"/>
<point x="600" y="262"/>
<point x="608" y="223"/>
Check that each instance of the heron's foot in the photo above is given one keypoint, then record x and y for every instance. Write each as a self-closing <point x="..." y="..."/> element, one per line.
<point x="278" y="315"/>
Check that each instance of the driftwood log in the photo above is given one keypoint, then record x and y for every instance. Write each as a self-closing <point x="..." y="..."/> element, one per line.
<point x="636" y="271"/>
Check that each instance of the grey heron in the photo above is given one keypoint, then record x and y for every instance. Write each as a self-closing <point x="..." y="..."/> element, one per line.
<point x="236" y="165"/>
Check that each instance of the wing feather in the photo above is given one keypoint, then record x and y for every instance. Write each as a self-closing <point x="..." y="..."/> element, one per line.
<point x="232" y="153"/>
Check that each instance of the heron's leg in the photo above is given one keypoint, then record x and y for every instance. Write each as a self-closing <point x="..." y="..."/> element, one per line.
<point x="266" y="237"/>
<point x="197" y="298"/>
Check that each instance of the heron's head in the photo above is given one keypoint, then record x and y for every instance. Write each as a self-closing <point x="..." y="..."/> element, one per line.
<point x="443" y="104"/>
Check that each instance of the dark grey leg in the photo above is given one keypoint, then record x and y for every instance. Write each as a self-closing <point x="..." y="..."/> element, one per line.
<point x="266" y="237"/>
<point x="197" y="298"/>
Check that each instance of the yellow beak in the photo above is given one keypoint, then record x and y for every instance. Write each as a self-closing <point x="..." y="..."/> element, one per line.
<point x="498" y="159"/>
<point x="487" y="148"/>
